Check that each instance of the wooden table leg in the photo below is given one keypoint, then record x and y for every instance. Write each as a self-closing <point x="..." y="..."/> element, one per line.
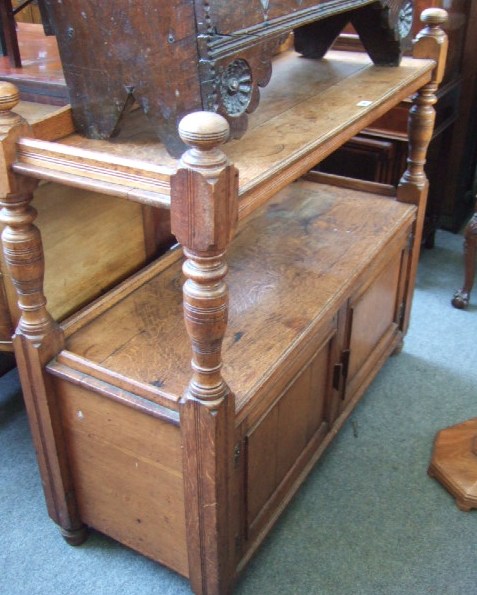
<point x="462" y="296"/>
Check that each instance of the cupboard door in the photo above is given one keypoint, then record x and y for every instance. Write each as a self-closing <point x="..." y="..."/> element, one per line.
<point x="373" y="324"/>
<point x="285" y="438"/>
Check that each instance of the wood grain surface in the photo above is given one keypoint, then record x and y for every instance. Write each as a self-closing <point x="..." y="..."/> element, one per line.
<point x="309" y="109"/>
<point x="290" y="267"/>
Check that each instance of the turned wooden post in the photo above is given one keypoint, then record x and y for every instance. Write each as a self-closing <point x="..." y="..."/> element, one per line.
<point x="37" y="338"/>
<point x="204" y="216"/>
<point x="430" y="43"/>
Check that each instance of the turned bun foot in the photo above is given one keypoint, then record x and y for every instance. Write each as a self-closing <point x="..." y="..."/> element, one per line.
<point x="461" y="505"/>
<point x="399" y="347"/>
<point x="76" y="536"/>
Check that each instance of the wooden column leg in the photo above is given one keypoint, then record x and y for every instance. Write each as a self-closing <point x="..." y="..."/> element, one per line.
<point x="204" y="216"/>
<point x="37" y="338"/>
<point x="462" y="296"/>
<point x="413" y="187"/>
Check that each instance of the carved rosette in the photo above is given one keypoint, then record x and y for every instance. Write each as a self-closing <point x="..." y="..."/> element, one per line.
<point x="405" y="19"/>
<point x="387" y="33"/>
<point x="399" y="17"/>
<point x="237" y="83"/>
<point x="236" y="88"/>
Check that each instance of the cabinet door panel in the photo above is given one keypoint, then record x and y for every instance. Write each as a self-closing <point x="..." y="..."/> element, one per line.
<point x="373" y="313"/>
<point x="275" y="445"/>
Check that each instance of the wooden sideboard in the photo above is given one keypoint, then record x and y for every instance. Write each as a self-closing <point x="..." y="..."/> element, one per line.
<point x="288" y="289"/>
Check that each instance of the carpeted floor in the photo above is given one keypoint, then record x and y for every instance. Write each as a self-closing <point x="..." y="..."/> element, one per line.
<point x="368" y="521"/>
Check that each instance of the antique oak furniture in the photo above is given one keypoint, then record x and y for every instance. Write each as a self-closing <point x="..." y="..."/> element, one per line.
<point x="180" y="56"/>
<point x="297" y="289"/>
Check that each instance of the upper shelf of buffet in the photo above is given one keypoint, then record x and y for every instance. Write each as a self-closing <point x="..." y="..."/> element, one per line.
<point x="309" y="108"/>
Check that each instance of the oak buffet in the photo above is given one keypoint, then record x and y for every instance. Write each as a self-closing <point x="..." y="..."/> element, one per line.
<point x="298" y="287"/>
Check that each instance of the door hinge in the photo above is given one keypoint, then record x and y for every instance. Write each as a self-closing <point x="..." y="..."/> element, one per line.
<point x="345" y="355"/>
<point x="238" y="545"/>
<point x="237" y="454"/>
<point x="337" y="375"/>
<point x="401" y="314"/>
<point x="340" y="372"/>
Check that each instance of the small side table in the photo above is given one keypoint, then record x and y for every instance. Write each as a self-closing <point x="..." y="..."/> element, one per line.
<point x="454" y="462"/>
<point x="462" y="296"/>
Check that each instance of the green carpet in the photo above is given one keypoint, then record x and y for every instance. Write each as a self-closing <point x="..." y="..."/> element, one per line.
<point x="368" y="520"/>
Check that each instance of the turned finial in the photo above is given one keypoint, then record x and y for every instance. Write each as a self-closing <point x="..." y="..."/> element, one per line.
<point x="204" y="130"/>
<point x="9" y="96"/>
<point x="204" y="191"/>
<point x="433" y="17"/>
<point x="431" y="42"/>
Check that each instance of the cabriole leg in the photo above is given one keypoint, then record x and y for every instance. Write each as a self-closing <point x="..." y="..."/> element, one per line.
<point x="462" y="296"/>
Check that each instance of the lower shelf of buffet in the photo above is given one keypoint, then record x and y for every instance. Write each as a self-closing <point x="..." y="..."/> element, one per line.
<point x="316" y="277"/>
